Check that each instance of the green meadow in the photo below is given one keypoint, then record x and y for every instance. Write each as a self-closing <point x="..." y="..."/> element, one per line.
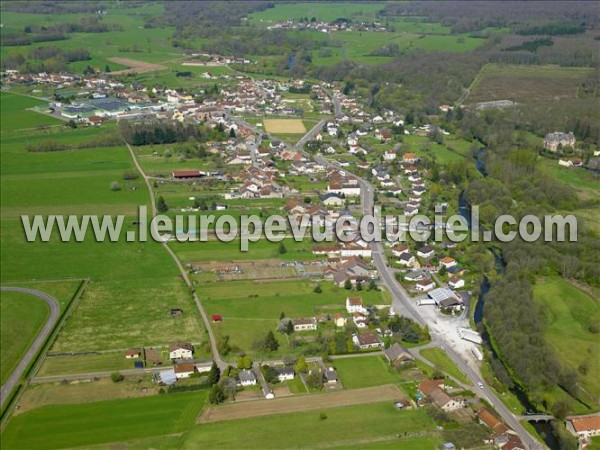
<point x="442" y="362"/>
<point x="364" y="372"/>
<point x="133" y="284"/>
<point x="365" y="424"/>
<point x="570" y="317"/>
<point x="23" y="316"/>
<point x="89" y="424"/>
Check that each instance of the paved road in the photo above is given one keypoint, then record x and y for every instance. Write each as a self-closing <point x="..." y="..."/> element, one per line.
<point x="37" y="344"/>
<point x="403" y="305"/>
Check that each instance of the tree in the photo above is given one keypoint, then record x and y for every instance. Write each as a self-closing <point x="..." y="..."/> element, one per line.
<point x="117" y="377"/>
<point x="322" y="416"/>
<point x="270" y="343"/>
<point x="307" y="200"/>
<point x="216" y="395"/>
<point x="372" y="285"/>
<point x="317" y="289"/>
<point x="107" y="69"/>
<point x="223" y="344"/>
<point x="282" y="249"/>
<point x="214" y="374"/>
<point x="289" y="328"/>
<point x="244" y="362"/>
<point x="232" y="133"/>
<point x="315" y="379"/>
<point x="270" y="374"/>
<point x="71" y="124"/>
<point x="161" y="205"/>
<point x="282" y="315"/>
<point x="347" y="285"/>
<point x="301" y="365"/>
<point x="358" y="285"/>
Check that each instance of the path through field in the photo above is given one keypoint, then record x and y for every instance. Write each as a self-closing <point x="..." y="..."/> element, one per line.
<point x="300" y="403"/>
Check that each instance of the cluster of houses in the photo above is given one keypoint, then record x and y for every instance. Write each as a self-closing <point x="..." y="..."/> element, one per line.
<point x="258" y="182"/>
<point x="327" y="27"/>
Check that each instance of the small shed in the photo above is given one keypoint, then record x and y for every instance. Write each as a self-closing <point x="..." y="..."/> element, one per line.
<point x="217" y="318"/>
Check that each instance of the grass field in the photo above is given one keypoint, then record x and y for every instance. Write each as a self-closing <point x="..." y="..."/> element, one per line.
<point x="88" y="363"/>
<point x="525" y="84"/>
<point x="569" y="314"/>
<point x="134" y="284"/>
<point x="102" y="422"/>
<point x="368" y="423"/>
<point x="23" y="316"/>
<point x="284" y="126"/>
<point x="444" y="363"/>
<point x="250" y="308"/>
<point x="364" y="371"/>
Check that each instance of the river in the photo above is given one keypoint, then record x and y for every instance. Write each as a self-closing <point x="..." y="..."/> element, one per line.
<point x="543" y="428"/>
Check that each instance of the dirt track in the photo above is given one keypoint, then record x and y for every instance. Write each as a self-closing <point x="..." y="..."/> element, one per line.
<point x="299" y="403"/>
<point x="135" y="66"/>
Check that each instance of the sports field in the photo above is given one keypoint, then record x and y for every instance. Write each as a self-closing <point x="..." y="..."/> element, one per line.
<point x="284" y="126"/>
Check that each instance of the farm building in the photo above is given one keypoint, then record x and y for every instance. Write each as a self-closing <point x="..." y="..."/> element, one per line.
<point x="308" y="324"/>
<point x="185" y="174"/>
<point x="398" y="355"/>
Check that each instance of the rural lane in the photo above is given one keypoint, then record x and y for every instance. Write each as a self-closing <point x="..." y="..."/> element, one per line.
<point x="36" y="345"/>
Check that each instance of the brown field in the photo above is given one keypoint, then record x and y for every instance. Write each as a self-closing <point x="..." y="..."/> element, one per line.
<point x="233" y="411"/>
<point x="135" y="66"/>
<point x="267" y="269"/>
<point x="284" y="126"/>
<point x="525" y="84"/>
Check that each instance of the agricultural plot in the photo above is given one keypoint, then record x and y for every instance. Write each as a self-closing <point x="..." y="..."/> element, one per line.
<point x="285" y="405"/>
<point x="284" y="126"/>
<point x="89" y="424"/>
<point x="135" y="66"/>
<point x="526" y="84"/>
<point x="132" y="41"/>
<point x="369" y="423"/>
<point x="134" y="284"/>
<point x="571" y="315"/>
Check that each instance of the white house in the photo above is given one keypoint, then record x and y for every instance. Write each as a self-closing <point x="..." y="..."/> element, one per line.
<point x="309" y="324"/>
<point x="332" y="199"/>
<point x="456" y="283"/>
<point x="285" y="374"/>
<point x="339" y="320"/>
<point x="247" y="378"/>
<point x="181" y="350"/>
<point x="406" y="259"/>
<point x="424" y="285"/>
<point x="389" y="155"/>
<point x="447" y="262"/>
<point x="184" y="370"/>
<point x="366" y="341"/>
<point x="360" y="320"/>
<point x="355" y="305"/>
<point x="399" y="250"/>
<point x="426" y="252"/>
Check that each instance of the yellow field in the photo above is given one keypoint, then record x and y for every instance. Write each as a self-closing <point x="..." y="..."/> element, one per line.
<point x="284" y="126"/>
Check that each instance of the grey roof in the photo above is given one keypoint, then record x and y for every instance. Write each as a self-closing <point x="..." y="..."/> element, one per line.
<point x="331" y="374"/>
<point x="441" y="294"/>
<point x="396" y="351"/>
<point x="167" y="377"/>
<point x="247" y="375"/>
<point x="285" y="371"/>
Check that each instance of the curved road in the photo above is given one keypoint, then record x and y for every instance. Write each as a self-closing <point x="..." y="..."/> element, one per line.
<point x="37" y="344"/>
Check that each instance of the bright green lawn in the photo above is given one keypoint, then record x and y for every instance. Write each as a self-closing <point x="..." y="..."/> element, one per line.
<point x="365" y="371"/>
<point x="87" y="424"/>
<point x="343" y="427"/>
<point x="569" y="314"/>
<point x="23" y="316"/>
<point x="444" y="363"/>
